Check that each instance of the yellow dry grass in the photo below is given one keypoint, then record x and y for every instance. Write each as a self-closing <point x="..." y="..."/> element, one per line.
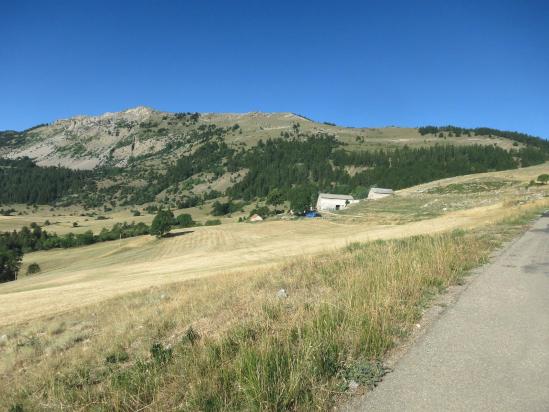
<point x="62" y="218"/>
<point x="345" y="310"/>
<point x="76" y="277"/>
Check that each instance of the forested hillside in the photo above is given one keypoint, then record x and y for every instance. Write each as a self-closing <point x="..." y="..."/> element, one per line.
<point x="142" y="156"/>
<point x="285" y="164"/>
<point x="21" y="181"/>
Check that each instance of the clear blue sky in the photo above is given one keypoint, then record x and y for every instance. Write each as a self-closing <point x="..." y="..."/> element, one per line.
<point x="363" y="63"/>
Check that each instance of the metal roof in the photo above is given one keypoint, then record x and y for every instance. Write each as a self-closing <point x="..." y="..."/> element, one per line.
<point x="333" y="196"/>
<point x="381" y="191"/>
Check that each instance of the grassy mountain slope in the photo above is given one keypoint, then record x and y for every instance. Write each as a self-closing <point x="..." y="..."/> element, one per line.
<point x="142" y="155"/>
<point x="85" y="142"/>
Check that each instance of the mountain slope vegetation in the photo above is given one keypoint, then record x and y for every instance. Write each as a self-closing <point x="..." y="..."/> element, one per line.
<point x="143" y="156"/>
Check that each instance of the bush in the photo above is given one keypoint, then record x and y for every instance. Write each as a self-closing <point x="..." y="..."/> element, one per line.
<point x="136" y="213"/>
<point x="10" y="260"/>
<point x="275" y="197"/>
<point x="162" y="223"/>
<point x="185" y="220"/>
<point x="117" y="356"/>
<point x="544" y="178"/>
<point x="262" y="211"/>
<point x="212" y="194"/>
<point x="360" y="192"/>
<point x="188" y="202"/>
<point x="33" y="268"/>
<point x="221" y="209"/>
<point x="151" y="209"/>
<point x="160" y="354"/>
<point x="74" y="224"/>
<point x="212" y="222"/>
<point x="301" y="198"/>
<point x="7" y="212"/>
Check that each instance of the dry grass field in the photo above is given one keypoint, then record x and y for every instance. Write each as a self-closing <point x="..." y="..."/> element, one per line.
<point x="74" y="277"/>
<point x="112" y="326"/>
<point x="62" y="218"/>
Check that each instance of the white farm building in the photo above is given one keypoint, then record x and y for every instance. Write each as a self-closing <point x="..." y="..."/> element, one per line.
<point x="328" y="201"/>
<point x="379" y="193"/>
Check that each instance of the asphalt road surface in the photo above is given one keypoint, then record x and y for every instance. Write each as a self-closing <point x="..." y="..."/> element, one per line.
<point x="489" y="351"/>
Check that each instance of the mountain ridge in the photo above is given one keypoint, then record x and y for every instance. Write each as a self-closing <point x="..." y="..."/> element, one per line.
<point x="144" y="156"/>
<point x="111" y="138"/>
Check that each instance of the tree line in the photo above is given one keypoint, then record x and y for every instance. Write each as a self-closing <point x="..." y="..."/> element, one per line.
<point x="22" y="181"/>
<point x="319" y="164"/>
<point x="487" y="131"/>
<point x="14" y="244"/>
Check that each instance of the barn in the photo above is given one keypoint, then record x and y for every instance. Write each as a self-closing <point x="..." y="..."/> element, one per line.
<point x="379" y="193"/>
<point x="329" y="201"/>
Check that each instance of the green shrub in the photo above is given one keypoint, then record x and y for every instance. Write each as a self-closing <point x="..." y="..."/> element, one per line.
<point x="117" y="356"/>
<point x="221" y="209"/>
<point x="33" y="268"/>
<point x="151" y="209"/>
<point x="160" y="354"/>
<point x="261" y="211"/>
<point x="162" y="223"/>
<point x="185" y="220"/>
<point x="212" y="222"/>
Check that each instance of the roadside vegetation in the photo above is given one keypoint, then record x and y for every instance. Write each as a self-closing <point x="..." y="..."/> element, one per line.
<point x="291" y="337"/>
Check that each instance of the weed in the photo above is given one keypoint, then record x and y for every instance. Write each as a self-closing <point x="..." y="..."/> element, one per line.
<point x="191" y="335"/>
<point x="117" y="357"/>
<point x="160" y="354"/>
<point x="365" y="372"/>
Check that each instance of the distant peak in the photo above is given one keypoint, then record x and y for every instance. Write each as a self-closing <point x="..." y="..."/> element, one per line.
<point x="134" y="113"/>
<point x="139" y="110"/>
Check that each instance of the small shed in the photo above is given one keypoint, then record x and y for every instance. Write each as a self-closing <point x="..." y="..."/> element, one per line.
<point x="329" y="201"/>
<point x="379" y="193"/>
<point x="256" y="218"/>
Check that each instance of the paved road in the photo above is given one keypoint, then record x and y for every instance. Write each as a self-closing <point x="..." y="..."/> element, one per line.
<point x="489" y="351"/>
